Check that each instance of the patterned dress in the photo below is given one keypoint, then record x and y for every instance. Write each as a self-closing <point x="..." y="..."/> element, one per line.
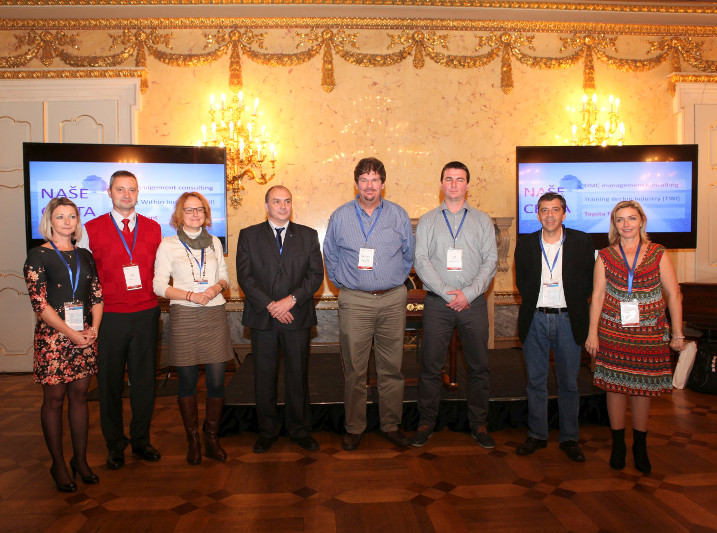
<point x="57" y="360"/>
<point x="634" y="360"/>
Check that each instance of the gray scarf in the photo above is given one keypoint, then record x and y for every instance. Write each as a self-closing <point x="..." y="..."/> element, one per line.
<point x="204" y="240"/>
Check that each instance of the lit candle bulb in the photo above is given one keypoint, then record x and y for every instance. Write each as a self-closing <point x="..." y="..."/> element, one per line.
<point x="224" y="99"/>
<point x="585" y="99"/>
<point x="231" y="129"/>
<point x="594" y="99"/>
<point x="258" y="150"/>
<point x="214" y="131"/>
<point x="273" y="151"/>
<point x="612" y="103"/>
<point x="622" y="131"/>
<point x="617" y="105"/>
<point x="204" y="132"/>
<point x="241" y="149"/>
<point x="607" y="128"/>
<point x="575" y="132"/>
<point x="256" y="105"/>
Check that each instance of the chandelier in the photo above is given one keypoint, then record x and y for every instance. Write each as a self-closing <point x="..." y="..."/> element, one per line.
<point x="592" y="130"/>
<point x="233" y="126"/>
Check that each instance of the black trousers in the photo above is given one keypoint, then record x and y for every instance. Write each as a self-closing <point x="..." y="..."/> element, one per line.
<point x="127" y="340"/>
<point x="438" y="324"/>
<point x="266" y="346"/>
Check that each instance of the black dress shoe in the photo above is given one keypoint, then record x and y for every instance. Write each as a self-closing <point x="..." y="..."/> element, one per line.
<point x="115" y="460"/>
<point x="89" y="479"/>
<point x="573" y="451"/>
<point x="307" y="443"/>
<point x="530" y="445"/>
<point x="263" y="444"/>
<point x="148" y="453"/>
<point x="62" y="487"/>
<point x="352" y="440"/>
<point x="396" y="437"/>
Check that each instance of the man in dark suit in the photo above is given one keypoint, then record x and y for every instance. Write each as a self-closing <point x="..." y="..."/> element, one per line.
<point x="279" y="268"/>
<point x="553" y="272"/>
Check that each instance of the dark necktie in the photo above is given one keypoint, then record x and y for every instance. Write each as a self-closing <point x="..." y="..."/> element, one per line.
<point x="125" y="230"/>
<point x="278" y="238"/>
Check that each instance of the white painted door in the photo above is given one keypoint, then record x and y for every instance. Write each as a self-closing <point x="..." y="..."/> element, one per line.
<point x="88" y="111"/>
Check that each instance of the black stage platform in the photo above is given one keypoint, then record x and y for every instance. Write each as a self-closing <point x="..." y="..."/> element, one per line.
<point x="508" y="406"/>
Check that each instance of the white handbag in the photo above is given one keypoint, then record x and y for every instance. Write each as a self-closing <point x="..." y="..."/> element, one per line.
<point x="684" y="365"/>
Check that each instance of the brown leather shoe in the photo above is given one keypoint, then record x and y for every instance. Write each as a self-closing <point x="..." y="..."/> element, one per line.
<point x="352" y="440"/>
<point x="396" y="437"/>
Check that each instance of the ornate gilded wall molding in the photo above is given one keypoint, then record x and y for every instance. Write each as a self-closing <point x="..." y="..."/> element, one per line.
<point x="654" y="6"/>
<point x="706" y="30"/>
<point x="137" y="43"/>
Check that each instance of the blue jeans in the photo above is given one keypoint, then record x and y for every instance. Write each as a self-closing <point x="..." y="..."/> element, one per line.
<point x="552" y="331"/>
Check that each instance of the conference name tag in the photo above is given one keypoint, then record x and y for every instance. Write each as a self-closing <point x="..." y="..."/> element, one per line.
<point x="366" y="258"/>
<point x="630" y="313"/>
<point x="74" y="317"/>
<point x="201" y="285"/>
<point x="132" y="277"/>
<point x="454" y="259"/>
<point x="551" y="294"/>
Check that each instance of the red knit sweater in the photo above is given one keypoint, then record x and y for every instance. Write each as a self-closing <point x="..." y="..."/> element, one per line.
<point x="110" y="256"/>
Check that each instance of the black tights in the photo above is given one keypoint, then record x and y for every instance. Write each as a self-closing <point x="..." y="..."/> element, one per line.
<point x="51" y="417"/>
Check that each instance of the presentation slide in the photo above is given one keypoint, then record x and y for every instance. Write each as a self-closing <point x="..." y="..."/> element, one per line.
<point x="591" y="190"/>
<point x="160" y="184"/>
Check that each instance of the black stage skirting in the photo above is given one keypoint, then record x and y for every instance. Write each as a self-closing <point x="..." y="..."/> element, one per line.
<point x="508" y="406"/>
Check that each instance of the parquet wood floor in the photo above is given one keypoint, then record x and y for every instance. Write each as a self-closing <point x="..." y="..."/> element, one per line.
<point x="450" y="485"/>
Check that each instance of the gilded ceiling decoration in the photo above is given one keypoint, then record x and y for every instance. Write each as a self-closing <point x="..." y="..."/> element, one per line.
<point x="645" y="6"/>
<point x="133" y="46"/>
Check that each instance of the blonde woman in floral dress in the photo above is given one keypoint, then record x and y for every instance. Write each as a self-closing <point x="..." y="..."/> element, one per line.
<point x="66" y="295"/>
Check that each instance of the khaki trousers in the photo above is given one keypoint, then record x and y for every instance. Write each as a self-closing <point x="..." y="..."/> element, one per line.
<point x="366" y="318"/>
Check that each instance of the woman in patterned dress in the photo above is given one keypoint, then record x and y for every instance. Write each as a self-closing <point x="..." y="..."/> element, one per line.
<point x="66" y="295"/>
<point x="629" y="335"/>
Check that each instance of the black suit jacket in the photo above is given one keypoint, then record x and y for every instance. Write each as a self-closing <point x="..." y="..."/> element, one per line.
<point x="265" y="275"/>
<point x="578" y="264"/>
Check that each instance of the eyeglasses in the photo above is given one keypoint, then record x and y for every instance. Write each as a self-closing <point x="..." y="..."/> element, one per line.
<point x="190" y="210"/>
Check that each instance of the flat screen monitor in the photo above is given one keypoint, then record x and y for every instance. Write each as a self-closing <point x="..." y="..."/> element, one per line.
<point x="81" y="172"/>
<point x="593" y="179"/>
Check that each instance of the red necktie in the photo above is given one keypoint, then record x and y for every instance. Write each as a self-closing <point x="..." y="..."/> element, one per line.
<point x="125" y="231"/>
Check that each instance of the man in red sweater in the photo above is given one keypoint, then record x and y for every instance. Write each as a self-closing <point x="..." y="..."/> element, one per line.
<point x="124" y="244"/>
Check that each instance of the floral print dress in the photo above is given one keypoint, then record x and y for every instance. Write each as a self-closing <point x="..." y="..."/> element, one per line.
<point x="57" y="360"/>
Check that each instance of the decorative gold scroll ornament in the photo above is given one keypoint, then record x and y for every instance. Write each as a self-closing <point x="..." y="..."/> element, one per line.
<point x="47" y="46"/>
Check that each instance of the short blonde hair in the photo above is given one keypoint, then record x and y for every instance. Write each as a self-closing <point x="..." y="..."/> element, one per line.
<point x="614" y="236"/>
<point x="177" y="220"/>
<point x="46" y="220"/>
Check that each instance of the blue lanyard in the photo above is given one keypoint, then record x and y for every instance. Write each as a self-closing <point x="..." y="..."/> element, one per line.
<point x="74" y="283"/>
<point x="358" y="215"/>
<point x="134" y="239"/>
<point x="200" y="265"/>
<point x="630" y="271"/>
<point x="555" y="260"/>
<point x="465" y="212"/>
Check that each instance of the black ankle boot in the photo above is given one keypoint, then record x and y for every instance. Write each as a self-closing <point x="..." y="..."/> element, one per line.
<point x="639" y="451"/>
<point x="617" y="456"/>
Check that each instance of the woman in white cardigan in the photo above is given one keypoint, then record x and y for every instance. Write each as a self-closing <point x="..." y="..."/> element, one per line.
<point x="198" y="326"/>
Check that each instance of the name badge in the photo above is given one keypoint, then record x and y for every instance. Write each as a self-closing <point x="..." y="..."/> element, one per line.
<point x="630" y="314"/>
<point x="74" y="316"/>
<point x="454" y="259"/>
<point x="132" y="277"/>
<point x="551" y="294"/>
<point x="201" y="285"/>
<point x="366" y="258"/>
